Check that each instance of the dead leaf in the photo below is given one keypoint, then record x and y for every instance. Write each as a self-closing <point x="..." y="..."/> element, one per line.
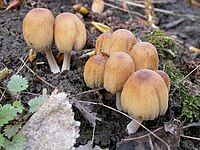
<point x="32" y="55"/>
<point x="101" y="27"/>
<point x="13" y="4"/>
<point x="1" y="3"/>
<point x="59" y="58"/>
<point x="87" y="111"/>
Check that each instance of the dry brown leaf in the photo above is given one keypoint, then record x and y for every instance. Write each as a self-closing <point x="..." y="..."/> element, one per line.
<point x="1" y="3"/>
<point x="32" y="55"/>
<point x="101" y="27"/>
<point x="13" y="4"/>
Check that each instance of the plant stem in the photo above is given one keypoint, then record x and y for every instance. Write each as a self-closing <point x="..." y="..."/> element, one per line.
<point x="118" y="100"/>
<point x="66" y="61"/>
<point x="133" y="126"/>
<point x="52" y="62"/>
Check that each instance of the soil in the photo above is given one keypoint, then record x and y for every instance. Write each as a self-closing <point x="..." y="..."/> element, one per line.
<point x="111" y="129"/>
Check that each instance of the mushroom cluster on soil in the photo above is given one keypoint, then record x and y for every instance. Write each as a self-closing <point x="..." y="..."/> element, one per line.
<point x="129" y="69"/>
<point x="40" y="28"/>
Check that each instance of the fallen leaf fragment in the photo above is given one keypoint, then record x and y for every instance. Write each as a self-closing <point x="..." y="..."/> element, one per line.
<point x="82" y="10"/>
<point x="101" y="27"/>
<point x="13" y="4"/>
<point x="32" y="55"/>
<point x="4" y="74"/>
<point x="194" y="50"/>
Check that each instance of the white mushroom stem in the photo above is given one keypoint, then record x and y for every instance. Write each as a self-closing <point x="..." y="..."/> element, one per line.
<point x="118" y="100"/>
<point x="133" y="126"/>
<point x="52" y="62"/>
<point x="66" y="61"/>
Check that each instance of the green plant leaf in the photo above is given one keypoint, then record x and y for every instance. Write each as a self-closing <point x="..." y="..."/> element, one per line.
<point x="17" y="143"/>
<point x="35" y="103"/>
<point x="2" y="141"/>
<point x="7" y="113"/>
<point x="11" y="130"/>
<point x="17" y="84"/>
<point x="18" y="105"/>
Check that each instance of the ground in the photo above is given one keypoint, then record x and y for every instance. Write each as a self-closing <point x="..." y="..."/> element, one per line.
<point x="111" y="129"/>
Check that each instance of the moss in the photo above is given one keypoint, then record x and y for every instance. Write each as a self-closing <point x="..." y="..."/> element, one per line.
<point x="184" y="94"/>
<point x="161" y="41"/>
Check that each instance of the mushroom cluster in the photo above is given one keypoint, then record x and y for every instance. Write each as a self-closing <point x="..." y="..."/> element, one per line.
<point x="129" y="69"/>
<point x="40" y="28"/>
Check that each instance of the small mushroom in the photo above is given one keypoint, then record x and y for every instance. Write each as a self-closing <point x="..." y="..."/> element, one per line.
<point x="38" y="33"/>
<point x="118" y="69"/>
<point x="145" y="56"/>
<point x="98" y="6"/>
<point x="144" y="97"/>
<point x="94" y="71"/>
<point x="103" y="43"/>
<point x="119" y="41"/>
<point x="70" y="33"/>
<point x="165" y="78"/>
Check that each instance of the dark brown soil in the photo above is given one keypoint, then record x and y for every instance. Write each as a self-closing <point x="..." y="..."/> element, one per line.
<point x="112" y="127"/>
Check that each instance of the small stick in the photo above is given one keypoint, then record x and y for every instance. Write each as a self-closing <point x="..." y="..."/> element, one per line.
<point x="93" y="132"/>
<point x="40" y="78"/>
<point x="190" y="137"/>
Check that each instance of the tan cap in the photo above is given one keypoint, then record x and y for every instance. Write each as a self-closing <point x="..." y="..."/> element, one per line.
<point x="145" y="56"/>
<point x="98" y="6"/>
<point x="69" y="33"/>
<point x="38" y="29"/>
<point x="94" y="70"/>
<point x="145" y="95"/>
<point x="165" y="78"/>
<point x="118" y="69"/>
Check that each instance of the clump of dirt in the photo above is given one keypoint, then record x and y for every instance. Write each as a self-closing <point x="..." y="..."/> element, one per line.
<point x="111" y="129"/>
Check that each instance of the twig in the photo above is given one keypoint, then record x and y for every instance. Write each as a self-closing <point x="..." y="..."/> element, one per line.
<point x="22" y="66"/>
<point x="164" y="11"/>
<point x="37" y="75"/>
<point x="173" y="24"/>
<point x="3" y="93"/>
<point x="101" y="104"/>
<point x="93" y="132"/>
<point x="86" y="92"/>
<point x="142" y="136"/>
<point x="196" y="124"/>
<point x="189" y="74"/>
<point x="132" y="12"/>
<point x="190" y="137"/>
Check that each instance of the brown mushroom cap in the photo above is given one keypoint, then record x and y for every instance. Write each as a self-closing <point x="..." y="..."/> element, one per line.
<point x="94" y="70"/>
<point x="145" y="56"/>
<point x="103" y="43"/>
<point x="122" y="41"/>
<point x="98" y="6"/>
<point x="118" y="69"/>
<point x="145" y="95"/>
<point x="38" y="29"/>
<point x="69" y="33"/>
<point x="165" y="77"/>
<point x="119" y="41"/>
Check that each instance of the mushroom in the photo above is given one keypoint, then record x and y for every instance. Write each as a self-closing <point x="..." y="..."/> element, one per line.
<point x="38" y="33"/>
<point x="118" y="69"/>
<point x="103" y="43"/>
<point x="165" y="77"/>
<point x="119" y="41"/>
<point x="94" y="70"/>
<point x="98" y="6"/>
<point x="69" y="33"/>
<point x="144" y="97"/>
<point x="145" y="56"/>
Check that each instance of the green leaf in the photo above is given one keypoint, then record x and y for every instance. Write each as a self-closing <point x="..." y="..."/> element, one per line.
<point x="35" y="103"/>
<point x="18" y="105"/>
<point x="2" y="141"/>
<point x="17" y="143"/>
<point x="11" y="130"/>
<point x="17" y="84"/>
<point x="7" y="113"/>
